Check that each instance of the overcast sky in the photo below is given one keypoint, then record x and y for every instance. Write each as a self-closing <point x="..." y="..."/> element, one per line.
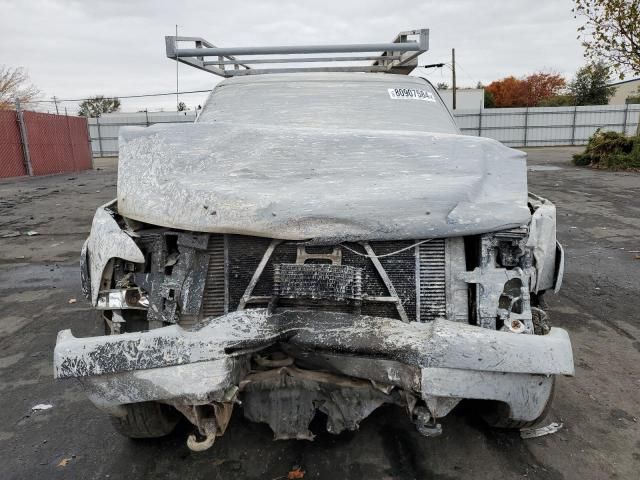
<point x="78" y="48"/>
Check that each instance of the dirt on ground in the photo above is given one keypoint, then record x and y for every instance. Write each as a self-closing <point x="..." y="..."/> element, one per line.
<point x="598" y="224"/>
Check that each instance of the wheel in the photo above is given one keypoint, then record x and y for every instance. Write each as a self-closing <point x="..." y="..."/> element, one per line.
<point x="146" y="420"/>
<point x="498" y="415"/>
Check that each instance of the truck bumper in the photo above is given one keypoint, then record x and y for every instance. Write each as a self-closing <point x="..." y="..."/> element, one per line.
<point x="440" y="361"/>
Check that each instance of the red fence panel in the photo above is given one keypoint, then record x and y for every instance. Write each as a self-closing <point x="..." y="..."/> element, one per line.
<point x="11" y="159"/>
<point x="79" y="133"/>
<point x="57" y="143"/>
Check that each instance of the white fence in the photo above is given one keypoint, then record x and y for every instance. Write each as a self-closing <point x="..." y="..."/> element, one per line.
<point x="104" y="130"/>
<point x="547" y="126"/>
<point x="515" y="127"/>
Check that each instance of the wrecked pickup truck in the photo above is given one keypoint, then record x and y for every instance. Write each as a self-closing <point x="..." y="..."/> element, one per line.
<point x="317" y="241"/>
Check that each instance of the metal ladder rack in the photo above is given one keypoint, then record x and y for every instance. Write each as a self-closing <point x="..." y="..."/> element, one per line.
<point x="399" y="56"/>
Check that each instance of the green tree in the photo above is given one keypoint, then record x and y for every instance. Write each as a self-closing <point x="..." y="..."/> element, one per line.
<point x="182" y="107"/>
<point x="489" y="99"/>
<point x="591" y="85"/>
<point x="562" y="100"/>
<point x="611" y="33"/>
<point x="95" y="106"/>
<point x="442" y="86"/>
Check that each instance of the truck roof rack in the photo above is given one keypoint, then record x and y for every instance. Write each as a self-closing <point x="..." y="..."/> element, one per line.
<point x="399" y="56"/>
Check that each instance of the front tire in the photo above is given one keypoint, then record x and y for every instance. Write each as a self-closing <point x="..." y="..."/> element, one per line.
<point x="146" y="420"/>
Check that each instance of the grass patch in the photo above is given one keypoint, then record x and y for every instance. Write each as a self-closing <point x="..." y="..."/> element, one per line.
<point x="610" y="150"/>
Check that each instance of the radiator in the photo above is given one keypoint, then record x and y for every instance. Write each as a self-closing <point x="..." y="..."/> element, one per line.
<point x="431" y="279"/>
<point x="214" y="297"/>
<point x="418" y="274"/>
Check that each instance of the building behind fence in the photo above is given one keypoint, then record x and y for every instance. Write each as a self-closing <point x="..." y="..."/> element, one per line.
<point x="515" y="127"/>
<point x="33" y="143"/>
<point x="104" y="130"/>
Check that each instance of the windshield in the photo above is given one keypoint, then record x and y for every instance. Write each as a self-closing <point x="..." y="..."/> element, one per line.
<point x="386" y="102"/>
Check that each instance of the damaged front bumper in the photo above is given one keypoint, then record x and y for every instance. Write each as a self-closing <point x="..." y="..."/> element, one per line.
<point x="439" y="362"/>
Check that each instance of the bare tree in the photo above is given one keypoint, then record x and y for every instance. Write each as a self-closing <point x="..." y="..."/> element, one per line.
<point x="15" y="85"/>
<point x="611" y="33"/>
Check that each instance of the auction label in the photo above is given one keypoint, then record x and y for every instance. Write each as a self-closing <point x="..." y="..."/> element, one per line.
<point x="411" y="94"/>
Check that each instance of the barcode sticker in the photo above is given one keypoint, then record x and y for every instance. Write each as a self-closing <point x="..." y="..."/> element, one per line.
<point x="411" y="94"/>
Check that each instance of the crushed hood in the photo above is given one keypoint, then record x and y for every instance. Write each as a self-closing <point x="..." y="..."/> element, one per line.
<point x="319" y="184"/>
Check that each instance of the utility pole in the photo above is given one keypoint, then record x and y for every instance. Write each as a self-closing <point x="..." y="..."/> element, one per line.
<point x="453" y="72"/>
<point x="177" y="63"/>
<point x="55" y="101"/>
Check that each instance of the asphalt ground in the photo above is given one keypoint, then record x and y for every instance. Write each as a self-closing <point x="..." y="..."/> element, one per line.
<point x="598" y="224"/>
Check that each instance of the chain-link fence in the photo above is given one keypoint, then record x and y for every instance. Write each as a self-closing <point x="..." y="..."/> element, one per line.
<point x="33" y="143"/>
<point x="11" y="155"/>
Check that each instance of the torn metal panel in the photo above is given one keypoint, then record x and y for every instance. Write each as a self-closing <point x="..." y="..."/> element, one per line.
<point x="178" y="283"/>
<point x="526" y="395"/>
<point x="440" y="343"/>
<point x="85" y="276"/>
<point x="106" y="242"/>
<point x="542" y="239"/>
<point x="287" y="398"/>
<point x="385" y="372"/>
<point x="504" y="279"/>
<point x="559" y="267"/>
<point x="200" y="365"/>
<point x="193" y="383"/>
<point x="540" y="431"/>
<point x="283" y="402"/>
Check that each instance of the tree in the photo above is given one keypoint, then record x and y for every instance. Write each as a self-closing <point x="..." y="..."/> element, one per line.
<point x="442" y="86"/>
<point x="489" y="99"/>
<point x="15" y="85"/>
<point x="611" y="33"/>
<point x="508" y="92"/>
<point x="95" y="106"/>
<point x="529" y="91"/>
<point x="182" y="107"/>
<point x="562" y="100"/>
<point x="591" y="85"/>
<point x="541" y="86"/>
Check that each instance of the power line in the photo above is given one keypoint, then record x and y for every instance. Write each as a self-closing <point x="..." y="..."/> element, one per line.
<point x="432" y="65"/>
<point x="175" y="46"/>
<point x="122" y="96"/>
<point x="186" y="92"/>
